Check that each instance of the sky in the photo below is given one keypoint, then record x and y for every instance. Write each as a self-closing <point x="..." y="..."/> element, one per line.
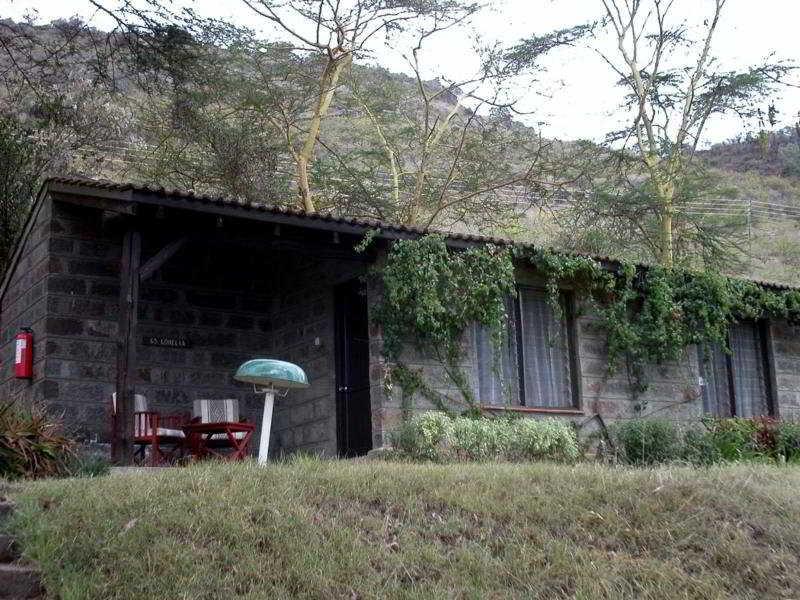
<point x="575" y="97"/>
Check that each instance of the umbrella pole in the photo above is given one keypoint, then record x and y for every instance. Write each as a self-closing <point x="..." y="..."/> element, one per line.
<point x="266" y="424"/>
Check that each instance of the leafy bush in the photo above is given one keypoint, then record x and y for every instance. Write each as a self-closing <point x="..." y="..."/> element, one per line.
<point x="439" y="437"/>
<point x="699" y="448"/>
<point x="32" y="444"/>
<point x="551" y="438"/>
<point x="736" y="438"/>
<point x="722" y="440"/>
<point x="647" y="441"/>
<point x="422" y="436"/>
<point x="788" y="441"/>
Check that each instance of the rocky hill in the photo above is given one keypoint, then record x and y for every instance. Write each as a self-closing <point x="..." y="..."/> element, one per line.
<point x="105" y="115"/>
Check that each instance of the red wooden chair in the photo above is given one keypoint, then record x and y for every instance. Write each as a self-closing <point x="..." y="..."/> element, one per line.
<point x="161" y="434"/>
<point x="220" y="412"/>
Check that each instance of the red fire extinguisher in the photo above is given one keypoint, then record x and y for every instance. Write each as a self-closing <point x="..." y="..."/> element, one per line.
<point x="23" y="357"/>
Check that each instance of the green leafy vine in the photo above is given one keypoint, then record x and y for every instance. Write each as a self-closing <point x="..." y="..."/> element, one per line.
<point x="432" y="295"/>
<point x="651" y="314"/>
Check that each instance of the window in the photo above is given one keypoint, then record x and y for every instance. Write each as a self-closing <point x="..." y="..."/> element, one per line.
<point x="738" y="384"/>
<point x="498" y="375"/>
<point x="536" y="363"/>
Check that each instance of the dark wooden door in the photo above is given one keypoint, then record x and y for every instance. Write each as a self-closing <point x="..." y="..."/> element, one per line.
<point x="353" y="408"/>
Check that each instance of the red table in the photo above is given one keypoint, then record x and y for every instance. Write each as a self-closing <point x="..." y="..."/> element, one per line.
<point x="201" y="444"/>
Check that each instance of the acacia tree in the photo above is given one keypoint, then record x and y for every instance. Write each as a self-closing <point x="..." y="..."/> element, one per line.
<point x="670" y="102"/>
<point x="444" y="153"/>
<point x="334" y="33"/>
<point x="432" y="154"/>
<point x="21" y="169"/>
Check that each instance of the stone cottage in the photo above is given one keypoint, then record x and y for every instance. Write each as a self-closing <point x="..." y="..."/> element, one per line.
<point x="136" y="289"/>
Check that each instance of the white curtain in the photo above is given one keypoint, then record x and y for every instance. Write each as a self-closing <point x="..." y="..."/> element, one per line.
<point x="545" y="353"/>
<point x="498" y="378"/>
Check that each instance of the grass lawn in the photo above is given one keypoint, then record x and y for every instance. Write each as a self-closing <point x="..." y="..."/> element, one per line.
<point x="325" y="529"/>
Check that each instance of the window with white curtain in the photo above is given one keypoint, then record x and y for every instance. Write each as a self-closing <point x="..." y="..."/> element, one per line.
<point x="497" y="366"/>
<point x="533" y="367"/>
<point x="737" y="384"/>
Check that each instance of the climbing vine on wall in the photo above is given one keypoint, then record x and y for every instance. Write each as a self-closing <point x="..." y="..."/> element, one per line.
<point x="432" y="295"/>
<point x="650" y="315"/>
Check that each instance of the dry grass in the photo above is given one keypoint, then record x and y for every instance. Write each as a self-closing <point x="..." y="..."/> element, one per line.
<point x="314" y="529"/>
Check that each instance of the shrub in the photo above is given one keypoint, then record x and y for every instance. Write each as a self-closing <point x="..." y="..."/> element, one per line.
<point x="699" y="448"/>
<point x="549" y="438"/>
<point x="437" y="436"/>
<point x="421" y="437"/>
<point x="32" y="444"/>
<point x="737" y="438"/>
<point x="788" y="441"/>
<point x="647" y="441"/>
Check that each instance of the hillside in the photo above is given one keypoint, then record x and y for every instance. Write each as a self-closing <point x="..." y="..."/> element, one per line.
<point x="771" y="153"/>
<point x="141" y="127"/>
<point x="324" y="529"/>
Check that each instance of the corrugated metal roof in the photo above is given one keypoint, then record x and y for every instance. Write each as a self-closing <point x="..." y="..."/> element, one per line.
<point x="105" y="184"/>
<point x="365" y="224"/>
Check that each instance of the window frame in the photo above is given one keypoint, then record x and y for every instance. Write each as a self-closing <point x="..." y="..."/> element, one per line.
<point x="764" y="333"/>
<point x="570" y="326"/>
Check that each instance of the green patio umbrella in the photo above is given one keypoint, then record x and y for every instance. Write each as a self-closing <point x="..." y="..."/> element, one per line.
<point x="267" y="375"/>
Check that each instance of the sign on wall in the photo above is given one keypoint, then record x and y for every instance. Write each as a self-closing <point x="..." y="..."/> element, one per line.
<point x="166" y="341"/>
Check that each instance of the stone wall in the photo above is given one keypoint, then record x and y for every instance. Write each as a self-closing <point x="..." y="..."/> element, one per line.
<point x="82" y="312"/>
<point x="24" y="305"/>
<point x="786" y="352"/>
<point x="231" y="306"/>
<point x="304" y="334"/>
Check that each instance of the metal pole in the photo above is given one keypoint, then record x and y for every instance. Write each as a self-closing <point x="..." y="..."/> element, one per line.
<point x="266" y="425"/>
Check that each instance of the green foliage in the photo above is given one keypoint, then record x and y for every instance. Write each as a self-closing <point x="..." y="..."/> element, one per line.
<point x="788" y="441"/>
<point x="422" y="436"/>
<point x="432" y="294"/>
<point x="734" y="439"/>
<point x="647" y="441"/>
<point x="650" y="315"/>
<point x="699" y="448"/>
<point x="32" y="444"/>
<point x="19" y="176"/>
<point x="437" y="436"/>
<point x="89" y="466"/>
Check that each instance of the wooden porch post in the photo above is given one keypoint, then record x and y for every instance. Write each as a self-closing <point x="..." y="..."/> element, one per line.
<point x="122" y="447"/>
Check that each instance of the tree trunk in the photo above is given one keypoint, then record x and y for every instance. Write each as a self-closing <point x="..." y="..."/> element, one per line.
<point x="666" y="238"/>
<point x="666" y="194"/>
<point x="327" y="87"/>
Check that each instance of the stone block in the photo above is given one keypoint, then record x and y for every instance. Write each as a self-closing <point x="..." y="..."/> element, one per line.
<point x="64" y="326"/>
<point x="63" y="284"/>
<point x="240" y="322"/>
<point x="61" y="245"/>
<point x="210" y="319"/>
<point x="106" y="289"/>
<point x="226" y="301"/>
<point x="93" y="268"/>
<point x="99" y="249"/>
<point x="104" y="351"/>
<point x="9" y="550"/>
<point x="20" y="581"/>
<point x="101" y="329"/>
<point x="158" y="294"/>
